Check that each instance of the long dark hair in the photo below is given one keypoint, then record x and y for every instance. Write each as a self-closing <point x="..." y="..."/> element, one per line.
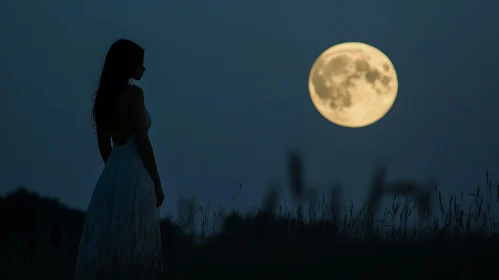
<point x="122" y="59"/>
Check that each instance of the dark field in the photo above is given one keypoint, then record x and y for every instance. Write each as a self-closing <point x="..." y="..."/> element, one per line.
<point x="408" y="240"/>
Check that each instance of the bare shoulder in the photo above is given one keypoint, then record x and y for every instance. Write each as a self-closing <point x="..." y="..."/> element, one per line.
<point x="135" y="92"/>
<point x="135" y="89"/>
<point x="134" y="95"/>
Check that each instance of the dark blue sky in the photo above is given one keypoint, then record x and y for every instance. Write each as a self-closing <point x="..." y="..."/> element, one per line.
<point x="226" y="86"/>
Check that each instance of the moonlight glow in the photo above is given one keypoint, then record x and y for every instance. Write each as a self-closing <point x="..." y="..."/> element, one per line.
<point x="353" y="84"/>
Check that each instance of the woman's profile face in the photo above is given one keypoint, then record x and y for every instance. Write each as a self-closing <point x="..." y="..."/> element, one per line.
<point x="139" y="72"/>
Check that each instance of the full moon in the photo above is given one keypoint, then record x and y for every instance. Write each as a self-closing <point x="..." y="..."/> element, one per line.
<point x="353" y="84"/>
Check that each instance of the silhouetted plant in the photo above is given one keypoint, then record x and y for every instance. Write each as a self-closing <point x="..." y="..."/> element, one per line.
<point x="271" y="199"/>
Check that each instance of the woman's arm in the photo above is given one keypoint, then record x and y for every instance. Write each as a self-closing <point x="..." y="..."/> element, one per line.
<point x="141" y="130"/>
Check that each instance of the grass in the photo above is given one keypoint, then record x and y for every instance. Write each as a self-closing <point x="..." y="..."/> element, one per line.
<point x="417" y="235"/>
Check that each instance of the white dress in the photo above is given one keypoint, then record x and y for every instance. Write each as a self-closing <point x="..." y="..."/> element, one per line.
<point x="121" y="236"/>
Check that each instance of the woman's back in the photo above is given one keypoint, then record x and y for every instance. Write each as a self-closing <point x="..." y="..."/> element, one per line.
<point x="122" y="125"/>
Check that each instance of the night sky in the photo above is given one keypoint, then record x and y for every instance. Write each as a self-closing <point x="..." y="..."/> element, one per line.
<point x="226" y="87"/>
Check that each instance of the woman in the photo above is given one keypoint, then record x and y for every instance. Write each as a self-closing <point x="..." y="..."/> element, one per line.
<point x="121" y="235"/>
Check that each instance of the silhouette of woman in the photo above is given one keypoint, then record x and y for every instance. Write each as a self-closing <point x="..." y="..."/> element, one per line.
<point x="121" y="235"/>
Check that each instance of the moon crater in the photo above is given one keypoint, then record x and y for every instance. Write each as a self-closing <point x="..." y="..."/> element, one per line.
<point x="353" y="84"/>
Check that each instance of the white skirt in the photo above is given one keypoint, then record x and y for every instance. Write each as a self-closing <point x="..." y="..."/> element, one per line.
<point x="121" y="236"/>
